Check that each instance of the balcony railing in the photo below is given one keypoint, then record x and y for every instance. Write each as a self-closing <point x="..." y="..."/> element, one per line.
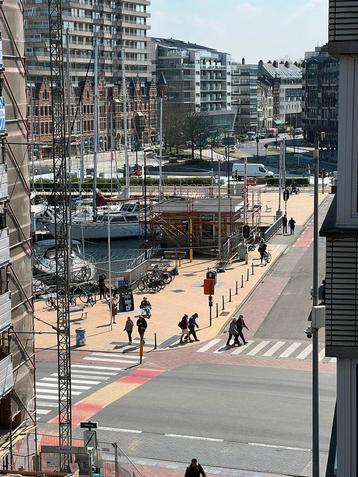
<point x="6" y="375"/>
<point x="4" y="192"/>
<point x="5" y="311"/>
<point x="4" y="246"/>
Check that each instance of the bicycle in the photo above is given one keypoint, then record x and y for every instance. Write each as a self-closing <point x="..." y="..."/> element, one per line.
<point x="267" y="256"/>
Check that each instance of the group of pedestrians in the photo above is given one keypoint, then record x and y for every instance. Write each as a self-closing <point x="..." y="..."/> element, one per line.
<point x="291" y="223"/>
<point x="236" y="331"/>
<point x="141" y="325"/>
<point x="188" y="328"/>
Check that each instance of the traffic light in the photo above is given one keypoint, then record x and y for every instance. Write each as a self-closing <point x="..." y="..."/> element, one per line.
<point x="246" y="231"/>
<point x="323" y="173"/>
<point x="286" y="195"/>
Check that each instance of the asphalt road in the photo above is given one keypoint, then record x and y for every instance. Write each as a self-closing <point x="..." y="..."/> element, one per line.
<point x="253" y="418"/>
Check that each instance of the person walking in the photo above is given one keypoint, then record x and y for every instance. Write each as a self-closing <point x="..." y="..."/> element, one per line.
<point x="142" y="326"/>
<point x="192" y="325"/>
<point x="146" y="307"/>
<point x="292" y="224"/>
<point x="128" y="327"/>
<point x="114" y="311"/>
<point x="195" y="469"/>
<point x="102" y="286"/>
<point x="262" y="250"/>
<point x="240" y="325"/>
<point x="233" y="333"/>
<point x="183" y="325"/>
<point x="284" y="224"/>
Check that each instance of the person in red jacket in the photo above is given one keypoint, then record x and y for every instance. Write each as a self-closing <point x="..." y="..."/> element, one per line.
<point x="195" y="469"/>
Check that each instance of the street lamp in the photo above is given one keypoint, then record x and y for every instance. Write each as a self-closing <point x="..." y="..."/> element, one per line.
<point x="145" y="205"/>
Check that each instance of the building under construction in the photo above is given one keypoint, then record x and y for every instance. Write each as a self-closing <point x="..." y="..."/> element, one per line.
<point x="17" y="403"/>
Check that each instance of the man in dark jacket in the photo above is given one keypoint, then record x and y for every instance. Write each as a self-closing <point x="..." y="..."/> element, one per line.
<point x="142" y="326"/>
<point x="240" y="325"/>
<point x="292" y="224"/>
<point x="284" y="224"/>
<point x="192" y="325"/>
<point x="194" y="469"/>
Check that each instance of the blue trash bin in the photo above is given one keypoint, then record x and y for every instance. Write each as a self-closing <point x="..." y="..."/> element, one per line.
<point x="80" y="337"/>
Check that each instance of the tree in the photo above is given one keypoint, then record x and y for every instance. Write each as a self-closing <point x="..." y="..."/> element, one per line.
<point x="195" y="130"/>
<point x="173" y="125"/>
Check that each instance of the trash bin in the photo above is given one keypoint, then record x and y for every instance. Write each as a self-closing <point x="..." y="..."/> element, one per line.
<point x="80" y="337"/>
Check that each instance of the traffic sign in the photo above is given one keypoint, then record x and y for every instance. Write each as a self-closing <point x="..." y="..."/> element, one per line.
<point x="286" y="195"/>
<point x="89" y="425"/>
<point x="209" y="286"/>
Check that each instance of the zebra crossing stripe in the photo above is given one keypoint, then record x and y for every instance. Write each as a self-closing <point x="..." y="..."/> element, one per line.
<point x="74" y="381"/>
<point x="115" y="355"/>
<point x="290" y="350"/>
<point x="46" y="396"/>
<point x="46" y="404"/>
<point x="258" y="348"/>
<point x="274" y="348"/>
<point x="209" y="345"/>
<point x="306" y="352"/>
<point x="242" y="348"/>
<point x="90" y="358"/>
<point x="42" y="411"/>
<point x="55" y="391"/>
<point x="101" y="368"/>
<point x="55" y="385"/>
<point x="75" y="374"/>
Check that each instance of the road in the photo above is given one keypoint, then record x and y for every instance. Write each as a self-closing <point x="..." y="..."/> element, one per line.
<point x="236" y="409"/>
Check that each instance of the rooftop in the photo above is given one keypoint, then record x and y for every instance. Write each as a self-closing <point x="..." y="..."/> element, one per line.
<point x="282" y="70"/>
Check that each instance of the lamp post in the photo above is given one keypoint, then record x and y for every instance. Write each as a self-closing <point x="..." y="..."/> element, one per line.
<point x="219" y="209"/>
<point x="145" y="206"/>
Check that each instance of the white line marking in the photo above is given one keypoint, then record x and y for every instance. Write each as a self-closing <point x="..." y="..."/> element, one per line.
<point x="332" y="360"/>
<point x="242" y="348"/>
<point x="198" y="438"/>
<point x="74" y="374"/>
<point x="55" y="391"/>
<point x="258" y="348"/>
<point x="307" y="351"/>
<point x="322" y="354"/>
<point x="75" y="381"/>
<point x="46" y="396"/>
<point x="209" y="345"/>
<point x="103" y="374"/>
<point x="85" y="366"/>
<point x="89" y="358"/>
<point x="115" y="355"/>
<point x="46" y="404"/>
<point x="115" y="429"/>
<point x="42" y="411"/>
<point x="274" y="348"/>
<point x="55" y="385"/>
<point x="290" y="350"/>
<point x="272" y="446"/>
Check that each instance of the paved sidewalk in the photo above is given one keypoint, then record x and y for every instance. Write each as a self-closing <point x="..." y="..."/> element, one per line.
<point x="183" y="295"/>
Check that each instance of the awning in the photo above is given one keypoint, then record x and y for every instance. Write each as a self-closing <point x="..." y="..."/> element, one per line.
<point x="278" y="122"/>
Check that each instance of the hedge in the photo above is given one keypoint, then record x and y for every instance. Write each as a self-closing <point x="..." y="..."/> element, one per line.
<point x="303" y="181"/>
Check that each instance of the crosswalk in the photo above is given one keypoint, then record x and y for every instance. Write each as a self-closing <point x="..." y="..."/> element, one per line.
<point x="299" y="350"/>
<point x="94" y="371"/>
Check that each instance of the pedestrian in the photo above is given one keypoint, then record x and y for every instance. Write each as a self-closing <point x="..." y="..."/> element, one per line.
<point x="183" y="325"/>
<point x="146" y="307"/>
<point x="102" y="286"/>
<point x="114" y="310"/>
<point x="195" y="469"/>
<point x="292" y="224"/>
<point x="233" y="333"/>
<point x="129" y="329"/>
<point x="284" y="224"/>
<point x="262" y="250"/>
<point x="240" y="325"/>
<point x="142" y="326"/>
<point x="192" y="325"/>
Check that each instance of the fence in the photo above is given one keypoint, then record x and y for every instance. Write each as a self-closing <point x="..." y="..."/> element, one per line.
<point x="270" y="232"/>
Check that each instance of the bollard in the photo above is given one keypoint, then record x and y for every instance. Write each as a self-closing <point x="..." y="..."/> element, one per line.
<point x="237" y="287"/>
<point x="141" y="350"/>
<point x="223" y="302"/>
<point x="217" y="310"/>
<point x="252" y="269"/>
<point x="242" y="281"/>
<point x="229" y="295"/>
<point x="247" y="275"/>
<point x="155" y="340"/>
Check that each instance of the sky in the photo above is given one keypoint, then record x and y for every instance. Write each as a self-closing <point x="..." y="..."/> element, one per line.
<point x="253" y="29"/>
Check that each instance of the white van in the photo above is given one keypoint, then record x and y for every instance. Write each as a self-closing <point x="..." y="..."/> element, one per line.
<point x="253" y="170"/>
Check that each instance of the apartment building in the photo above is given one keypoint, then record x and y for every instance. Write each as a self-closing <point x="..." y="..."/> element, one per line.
<point x="264" y="105"/>
<point x="320" y="96"/>
<point x="17" y="404"/>
<point x="197" y="77"/>
<point x="286" y="81"/>
<point x="244" y="96"/>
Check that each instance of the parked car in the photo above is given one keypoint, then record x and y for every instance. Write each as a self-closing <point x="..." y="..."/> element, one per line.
<point x="253" y="170"/>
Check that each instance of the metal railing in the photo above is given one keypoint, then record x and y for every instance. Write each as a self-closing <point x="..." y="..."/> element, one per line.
<point x="273" y="229"/>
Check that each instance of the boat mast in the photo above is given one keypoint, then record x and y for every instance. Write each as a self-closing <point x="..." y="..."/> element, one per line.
<point x="125" y="119"/>
<point x="95" y="141"/>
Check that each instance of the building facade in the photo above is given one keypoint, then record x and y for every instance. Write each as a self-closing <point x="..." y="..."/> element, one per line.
<point x="244" y="96"/>
<point x="264" y="105"/>
<point x="17" y="403"/>
<point x="197" y="77"/>
<point x="286" y="81"/>
<point x="320" y="96"/>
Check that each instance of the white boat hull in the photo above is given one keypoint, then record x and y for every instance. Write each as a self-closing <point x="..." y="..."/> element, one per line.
<point x="99" y="230"/>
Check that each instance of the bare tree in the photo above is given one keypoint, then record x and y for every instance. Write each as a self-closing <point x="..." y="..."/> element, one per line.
<point x="194" y="130"/>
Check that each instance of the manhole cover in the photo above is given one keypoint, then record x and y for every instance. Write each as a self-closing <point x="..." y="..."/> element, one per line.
<point x="225" y="313"/>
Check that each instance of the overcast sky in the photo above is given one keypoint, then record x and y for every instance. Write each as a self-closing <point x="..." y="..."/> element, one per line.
<point x="254" y="29"/>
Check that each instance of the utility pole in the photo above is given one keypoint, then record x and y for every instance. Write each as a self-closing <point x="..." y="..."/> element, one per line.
<point x="145" y="207"/>
<point x="219" y="209"/>
<point x="125" y="127"/>
<point x="279" y="210"/>
<point x="95" y="129"/>
<point x="160" y="147"/>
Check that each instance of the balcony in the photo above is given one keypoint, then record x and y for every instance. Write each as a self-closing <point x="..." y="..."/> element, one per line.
<point x="4" y="247"/>
<point x="6" y="375"/>
<point x="4" y="192"/>
<point x="5" y="311"/>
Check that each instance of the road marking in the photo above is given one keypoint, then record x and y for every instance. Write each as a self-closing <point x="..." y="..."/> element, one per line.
<point x="75" y="381"/>
<point x="197" y="438"/>
<point x="103" y="374"/>
<point x="85" y="366"/>
<point x="46" y="404"/>
<point x="74" y="374"/>
<point x="272" y="446"/>
<point x="55" y="385"/>
<point x="242" y="348"/>
<point x="307" y="351"/>
<point x="290" y="350"/>
<point x="322" y="354"/>
<point x="209" y="345"/>
<point x="116" y="429"/>
<point x="115" y="355"/>
<point x="46" y="396"/>
<point x="55" y="391"/>
<point x="258" y="348"/>
<point x="89" y="358"/>
<point x="274" y="348"/>
<point x="42" y="411"/>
